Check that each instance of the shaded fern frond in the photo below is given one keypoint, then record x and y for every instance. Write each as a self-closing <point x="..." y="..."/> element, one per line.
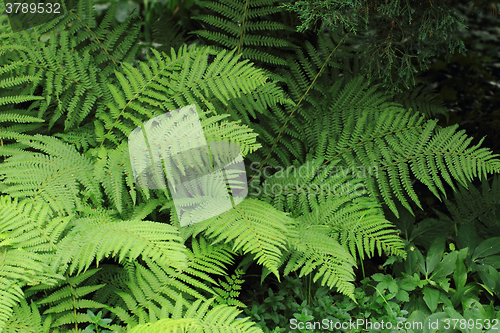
<point x="411" y="144"/>
<point x="26" y="319"/>
<point x="477" y="205"/>
<point x="422" y="101"/>
<point x="379" y="136"/>
<point x="335" y="196"/>
<point x="230" y="290"/>
<point x="242" y="27"/>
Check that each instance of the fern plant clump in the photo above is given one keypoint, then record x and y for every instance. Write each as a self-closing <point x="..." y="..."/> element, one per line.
<point x="83" y="247"/>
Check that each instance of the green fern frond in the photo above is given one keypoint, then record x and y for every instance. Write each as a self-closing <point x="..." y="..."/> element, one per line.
<point x="253" y="226"/>
<point x="372" y="133"/>
<point x="68" y="301"/>
<point x="82" y="138"/>
<point x="153" y="290"/>
<point x="199" y="318"/>
<point x="54" y="174"/>
<point x="26" y="319"/>
<point x="230" y="290"/>
<point x="242" y="29"/>
<point x="89" y="241"/>
<point x="69" y="78"/>
<point x="314" y="250"/>
<point x="412" y="144"/>
<point x="29" y="235"/>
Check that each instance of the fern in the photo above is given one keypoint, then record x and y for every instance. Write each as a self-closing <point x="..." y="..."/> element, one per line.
<point x="72" y="80"/>
<point x="242" y="28"/>
<point x="29" y="237"/>
<point x="476" y="205"/>
<point x="80" y="236"/>
<point x="199" y="318"/>
<point x="230" y="290"/>
<point x="54" y="174"/>
<point x="375" y="133"/>
<point x="27" y="318"/>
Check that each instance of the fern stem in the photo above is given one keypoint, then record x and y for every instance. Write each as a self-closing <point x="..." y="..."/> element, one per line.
<point x="300" y="101"/>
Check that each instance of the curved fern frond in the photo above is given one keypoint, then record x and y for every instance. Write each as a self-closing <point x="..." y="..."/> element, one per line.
<point x="253" y="226"/>
<point x="29" y="236"/>
<point x="90" y="240"/>
<point x="173" y="82"/>
<point x="421" y="101"/>
<point x="200" y="316"/>
<point x="54" y="174"/>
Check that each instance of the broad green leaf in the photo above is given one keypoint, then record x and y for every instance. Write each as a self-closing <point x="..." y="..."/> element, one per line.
<point x="460" y="274"/>
<point x="493" y="261"/>
<point x="407" y="284"/>
<point x="446" y="266"/>
<point x="431" y="297"/>
<point x="434" y="255"/>
<point x="489" y="276"/>
<point x="487" y="248"/>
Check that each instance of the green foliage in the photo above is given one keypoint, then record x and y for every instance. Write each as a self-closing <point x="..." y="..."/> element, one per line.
<point x="196" y="318"/>
<point x="240" y="25"/>
<point x="230" y="290"/>
<point x="83" y="247"/>
<point x="395" y="35"/>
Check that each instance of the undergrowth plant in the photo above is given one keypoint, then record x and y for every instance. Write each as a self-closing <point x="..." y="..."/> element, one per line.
<point x="83" y="247"/>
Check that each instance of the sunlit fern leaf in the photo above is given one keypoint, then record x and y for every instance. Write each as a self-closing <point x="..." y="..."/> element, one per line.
<point x="153" y="289"/>
<point x="53" y="174"/>
<point x="27" y="318"/>
<point x="476" y="205"/>
<point x="253" y="226"/>
<point x="200" y="316"/>
<point x="125" y="240"/>
<point x="314" y="252"/>
<point x="28" y="237"/>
